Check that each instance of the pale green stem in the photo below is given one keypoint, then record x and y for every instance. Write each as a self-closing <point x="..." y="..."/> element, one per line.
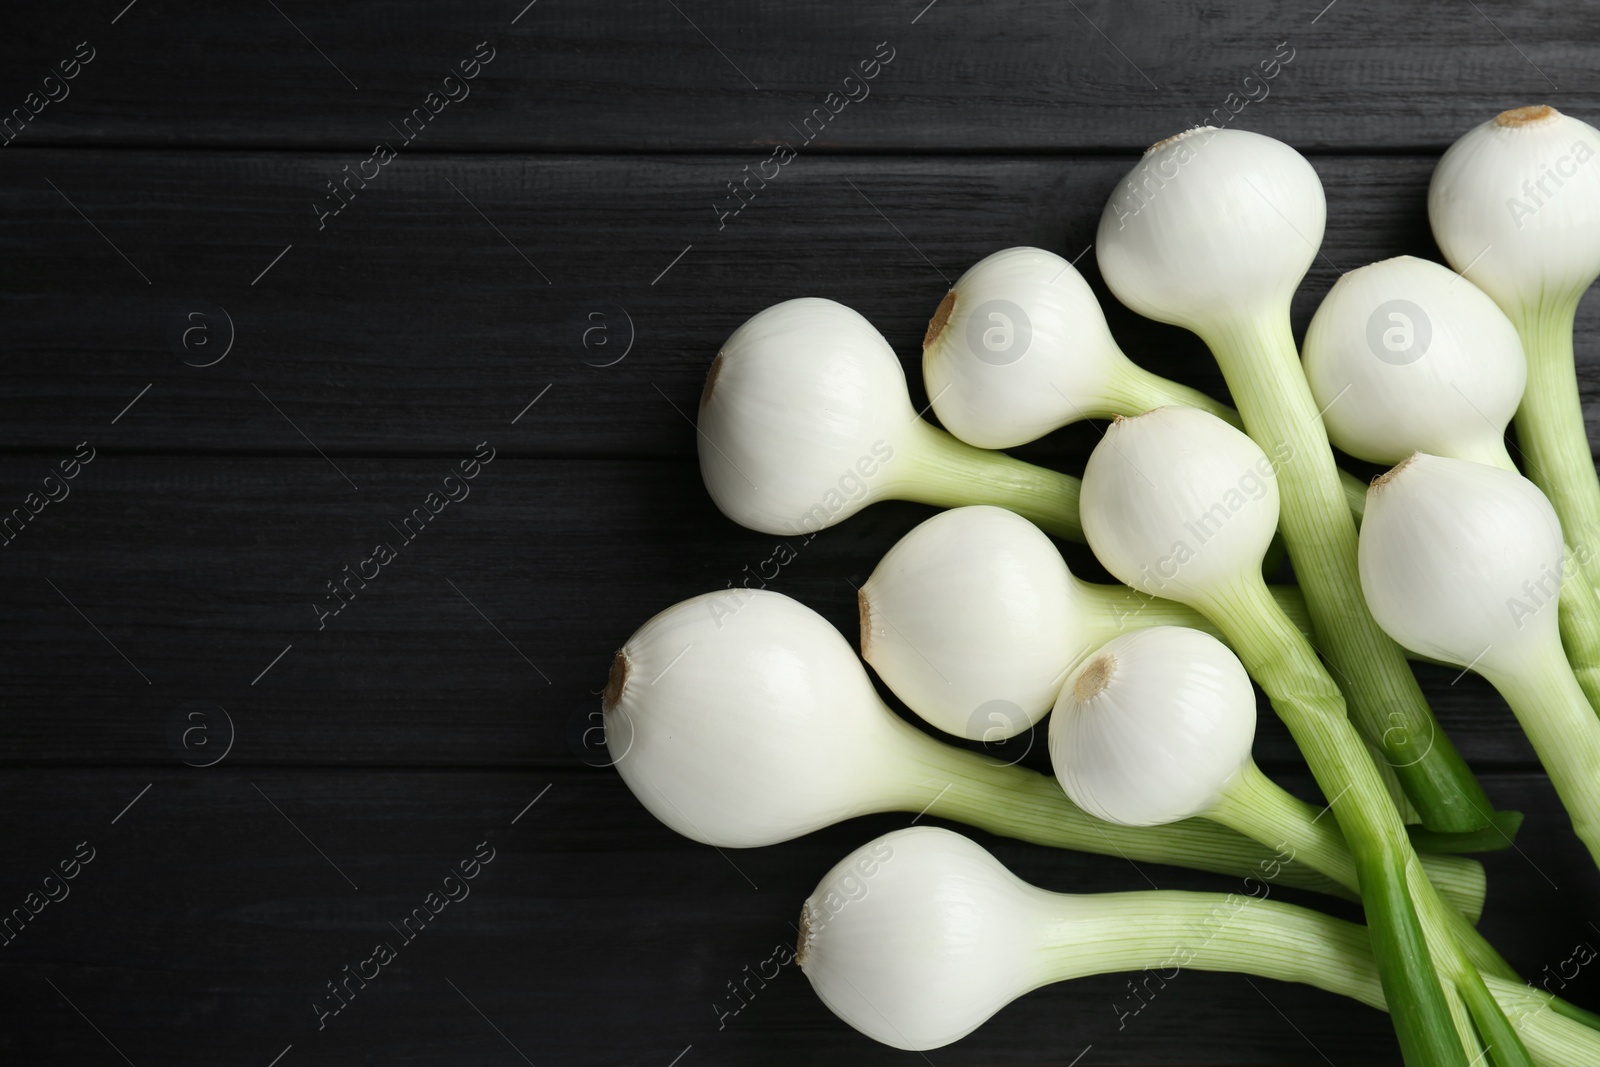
<point x="1554" y="441"/>
<point x="1491" y="452"/>
<point x="1391" y="782"/>
<point x="1113" y="609"/>
<point x="1554" y="1040"/>
<point x="944" y="471"/>
<point x="1260" y="809"/>
<point x="940" y="470"/>
<point x="1408" y="921"/>
<point x="1355" y="495"/>
<point x="1140" y="391"/>
<point x="1160" y="933"/>
<point x="1565" y="734"/>
<point x="1262" y="367"/>
<point x="967" y="787"/>
<point x="1146" y="392"/>
<point x="1165" y="931"/>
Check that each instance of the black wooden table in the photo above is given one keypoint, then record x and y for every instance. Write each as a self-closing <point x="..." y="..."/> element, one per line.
<point x="273" y="270"/>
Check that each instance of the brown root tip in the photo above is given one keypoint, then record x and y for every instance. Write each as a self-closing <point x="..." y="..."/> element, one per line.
<point x="802" y="942"/>
<point x="1388" y="476"/>
<point x="1176" y="137"/>
<point x="711" y="379"/>
<point x="616" y="681"/>
<point x="1525" y="116"/>
<point x="864" y="609"/>
<point x="941" y="316"/>
<point x="1118" y="419"/>
<point x="1094" y="677"/>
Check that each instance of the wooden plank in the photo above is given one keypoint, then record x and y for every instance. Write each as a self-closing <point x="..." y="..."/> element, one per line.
<point x="165" y="587"/>
<point x="219" y="902"/>
<point x="1011" y="74"/>
<point x="410" y="324"/>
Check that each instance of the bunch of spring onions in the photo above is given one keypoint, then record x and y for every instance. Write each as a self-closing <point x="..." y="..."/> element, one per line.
<point x="742" y="718"/>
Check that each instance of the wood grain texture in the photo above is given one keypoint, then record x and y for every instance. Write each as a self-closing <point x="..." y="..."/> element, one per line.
<point x="411" y="324"/>
<point x="698" y="75"/>
<point x="206" y="926"/>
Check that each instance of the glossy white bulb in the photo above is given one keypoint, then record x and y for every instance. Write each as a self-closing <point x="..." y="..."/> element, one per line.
<point x="1020" y="347"/>
<point x="1212" y="226"/>
<point x="804" y="413"/>
<point x="1515" y="206"/>
<point x="1176" y="503"/>
<point x="1154" y="727"/>
<point x="744" y="718"/>
<point x="1462" y="562"/>
<point x="1407" y="356"/>
<point x="973" y="619"/>
<point x="919" y="937"/>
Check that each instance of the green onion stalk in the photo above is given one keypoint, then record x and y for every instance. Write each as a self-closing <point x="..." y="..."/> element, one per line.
<point x="920" y="936"/>
<point x="1019" y="347"/>
<point x="1453" y="557"/>
<point x="1511" y="222"/>
<point x="1144" y="485"/>
<point x="1158" y="726"/>
<point x="1212" y="231"/>
<point x="1382" y="694"/>
<point x="704" y="723"/>
<point x="1555" y="448"/>
<point x="1309" y="702"/>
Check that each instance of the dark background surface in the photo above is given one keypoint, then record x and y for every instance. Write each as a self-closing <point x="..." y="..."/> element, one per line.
<point x="161" y="616"/>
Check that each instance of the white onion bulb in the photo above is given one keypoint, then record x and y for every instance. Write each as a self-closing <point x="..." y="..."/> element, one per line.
<point x="918" y="938"/>
<point x="803" y="413"/>
<point x="805" y="419"/>
<point x="1177" y="503"/>
<point x="743" y="718"/>
<point x="1210" y="228"/>
<point x="1154" y="727"/>
<point x="972" y="619"/>
<point x="1462" y="562"/>
<point x="1515" y="206"/>
<point x="1020" y="347"/>
<point x="1407" y="356"/>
